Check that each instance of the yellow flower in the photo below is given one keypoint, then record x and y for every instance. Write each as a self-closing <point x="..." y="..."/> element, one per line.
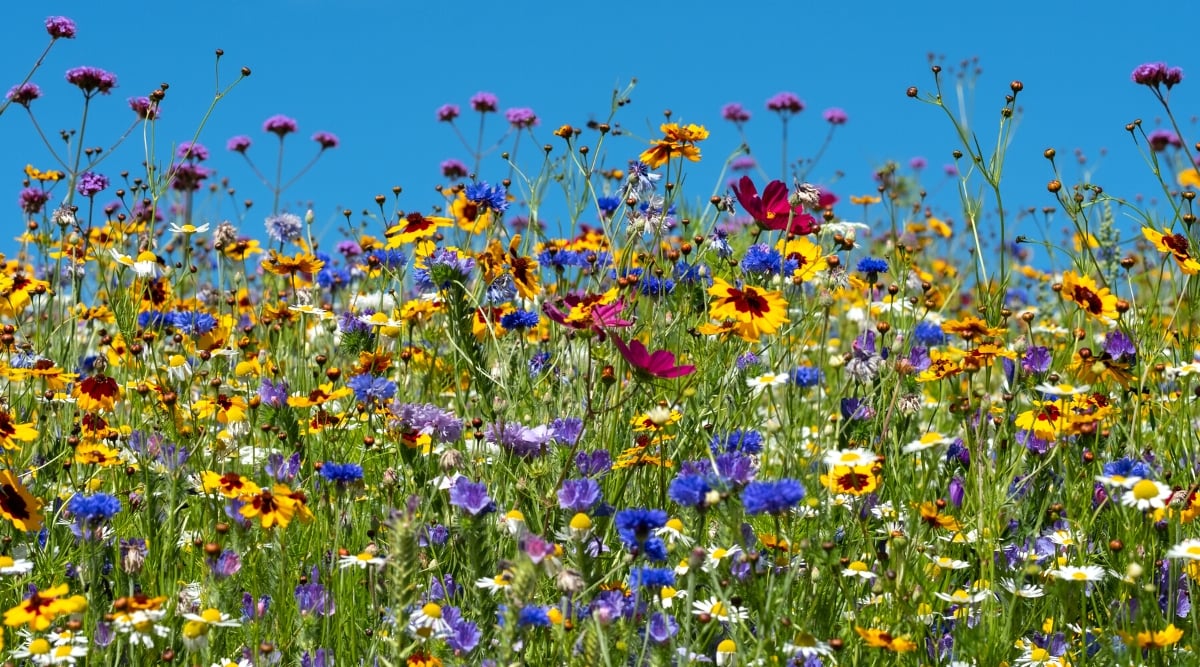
<point x="852" y="480"/>
<point x="884" y="640"/>
<point x="1189" y="178"/>
<point x="809" y="257"/>
<point x="1098" y="302"/>
<point x="1154" y="638"/>
<point x="18" y="505"/>
<point x="40" y="609"/>
<point x="11" y="431"/>
<point x="36" y="174"/>
<point x="1177" y="245"/>
<point x="763" y="312"/>
<point x="678" y="141"/>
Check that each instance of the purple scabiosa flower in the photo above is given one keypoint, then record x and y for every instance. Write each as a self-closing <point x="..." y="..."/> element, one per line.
<point x="1119" y="346"/>
<point x="32" y="200"/>
<point x="90" y="183"/>
<point x="440" y="425"/>
<point x="284" y="227"/>
<point x="368" y="388"/>
<point x="91" y="513"/>
<point x="191" y="150"/>
<point x="1161" y="138"/>
<point x="835" y="116"/>
<point x="471" y="497"/>
<point x="454" y="169"/>
<point x="24" y="93"/>
<point x="917" y="163"/>
<point x="566" y="430"/>
<point x="60" y="27"/>
<point x="593" y="464"/>
<point x="448" y="112"/>
<point x="579" y="495"/>
<point x="327" y="140"/>
<point x="772" y="497"/>
<point x="637" y="524"/>
<point x="341" y="474"/>
<point x="281" y="468"/>
<point x="238" y="144"/>
<point x="273" y="394"/>
<point x="661" y="628"/>
<point x="690" y="490"/>
<point x="735" y="113"/>
<point x="521" y="117"/>
<point x="92" y="80"/>
<point x="188" y="176"/>
<point x="313" y="599"/>
<point x="785" y="103"/>
<point x="484" y="102"/>
<point x="523" y="441"/>
<point x="280" y="125"/>
<point x="224" y="565"/>
<point x="349" y="249"/>
<point x="443" y="267"/>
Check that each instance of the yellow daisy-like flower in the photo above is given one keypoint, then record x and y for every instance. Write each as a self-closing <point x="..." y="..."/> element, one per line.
<point x="1154" y="638"/>
<point x="761" y="311"/>
<point x="1176" y="245"/>
<point x="40" y="609"/>
<point x="808" y="255"/>
<point x="1097" y="302"/>
<point x="882" y="639"/>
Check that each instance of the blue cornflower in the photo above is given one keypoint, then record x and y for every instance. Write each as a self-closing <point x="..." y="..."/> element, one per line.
<point x="533" y="616"/>
<point x="928" y="333"/>
<point x="350" y="323"/>
<point x="1128" y="467"/>
<point x="502" y="290"/>
<point x="807" y="376"/>
<point x="519" y="319"/>
<point x="472" y="497"/>
<point x="762" y="258"/>
<point x="690" y="490"/>
<point x="636" y="524"/>
<point x="538" y="363"/>
<point x="651" y="577"/>
<point x="283" y="227"/>
<point x="738" y="440"/>
<point x="494" y="197"/>
<point x="872" y="265"/>
<point x="772" y="497"/>
<point x="334" y="278"/>
<point x="368" y="388"/>
<point x="593" y="464"/>
<point x="443" y="267"/>
<point x="91" y="513"/>
<point x="342" y="474"/>
<point x="152" y="319"/>
<point x="608" y="205"/>
<point x="654" y="286"/>
<point x="392" y="259"/>
<point x="692" y="273"/>
<point x="192" y="323"/>
<point x="579" y="495"/>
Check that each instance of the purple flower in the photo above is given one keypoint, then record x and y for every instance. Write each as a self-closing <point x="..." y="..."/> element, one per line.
<point x="238" y="144"/>
<point x="735" y="113"/>
<point x="661" y="628"/>
<point x="342" y="474"/>
<point x="428" y="419"/>
<point x="326" y="139"/>
<point x="1118" y="346"/>
<point x="282" y="469"/>
<point x="917" y="163"/>
<point x="24" y="93"/>
<point x="453" y="169"/>
<point x="144" y="108"/>
<point x="957" y="491"/>
<point x="690" y="490"/>
<point x="190" y="150"/>
<point x="566" y="430"/>
<point x="484" y="102"/>
<point x="536" y="547"/>
<point x="835" y="116"/>
<point x="1157" y="74"/>
<point x="32" y="200"/>
<point x="92" y="80"/>
<point x="785" y="102"/>
<point x="313" y="598"/>
<point x="1159" y="140"/>
<point x="448" y="112"/>
<point x="188" y="176"/>
<point x="471" y="497"/>
<point x="60" y="27"/>
<point x="91" y="183"/>
<point x="284" y="227"/>
<point x="1036" y="360"/>
<point x="225" y="565"/>
<point x="521" y="117"/>
<point x="743" y="163"/>
<point x="318" y="658"/>
<point x="635" y="525"/>
<point x="464" y="635"/>
<point x="273" y="394"/>
<point x="521" y="440"/>
<point x="593" y="464"/>
<point x="578" y="495"/>
<point x="368" y="388"/>
<point x="280" y="125"/>
<point x="251" y="610"/>
<point x="950" y="169"/>
<point x="772" y="497"/>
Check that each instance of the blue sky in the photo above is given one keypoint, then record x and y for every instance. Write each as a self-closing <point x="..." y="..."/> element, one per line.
<point x="374" y="73"/>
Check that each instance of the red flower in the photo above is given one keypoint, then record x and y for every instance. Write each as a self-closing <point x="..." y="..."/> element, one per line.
<point x="772" y="210"/>
<point x="659" y="363"/>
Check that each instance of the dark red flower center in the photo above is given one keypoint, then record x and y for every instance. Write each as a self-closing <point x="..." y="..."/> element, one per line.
<point x="12" y="503"/>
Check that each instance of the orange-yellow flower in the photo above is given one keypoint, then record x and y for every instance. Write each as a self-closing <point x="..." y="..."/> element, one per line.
<point x="97" y="392"/>
<point x="880" y="639"/>
<point x="11" y="431"/>
<point x="1177" y="245"/>
<point x="40" y="609"/>
<point x="18" y="505"/>
<point x="1098" y="302"/>
<point x="763" y="312"/>
<point x="678" y="141"/>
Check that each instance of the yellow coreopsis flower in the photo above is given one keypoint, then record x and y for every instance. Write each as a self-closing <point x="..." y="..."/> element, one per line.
<point x="40" y="609"/>
<point x="1097" y="302"/>
<point x="764" y="312"/>
<point x="1176" y="245"/>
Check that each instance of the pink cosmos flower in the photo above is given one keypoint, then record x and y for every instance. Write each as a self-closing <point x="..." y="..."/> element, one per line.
<point x="772" y="210"/>
<point x="660" y="363"/>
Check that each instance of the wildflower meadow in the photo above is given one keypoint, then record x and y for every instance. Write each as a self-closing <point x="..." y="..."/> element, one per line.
<point x="578" y="407"/>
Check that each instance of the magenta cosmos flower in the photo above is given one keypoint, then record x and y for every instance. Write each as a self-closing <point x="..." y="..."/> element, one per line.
<point x="660" y="363"/>
<point x="772" y="210"/>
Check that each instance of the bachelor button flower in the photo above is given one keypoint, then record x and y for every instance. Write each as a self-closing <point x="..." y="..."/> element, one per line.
<point x="519" y="319"/>
<point x="835" y="116"/>
<point x="273" y="394"/>
<point x="238" y="144"/>
<point x="443" y="267"/>
<point x="91" y="80"/>
<point x="280" y="125"/>
<point x="326" y="139"/>
<point x="60" y="27"/>
<point x="368" y="388"/>
<point x="749" y="442"/>
<point x="471" y="497"/>
<point x="691" y="490"/>
<point x="807" y="376"/>
<point x="342" y="474"/>
<point x="90" y="184"/>
<point x="872" y="265"/>
<point x="761" y="258"/>
<point x="521" y="117"/>
<point x="24" y="93"/>
<point x="91" y="513"/>
<point x="772" y="497"/>
<point x="579" y="495"/>
<point x="284" y="227"/>
<point x="928" y="333"/>
<point x="636" y="524"/>
<point x="484" y="102"/>
<point x="593" y="464"/>
<point x="493" y="197"/>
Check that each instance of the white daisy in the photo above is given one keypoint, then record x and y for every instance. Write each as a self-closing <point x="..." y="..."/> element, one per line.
<point x="427" y="622"/>
<point x="189" y="228"/>
<point x="1187" y="549"/>
<point x="765" y="381"/>
<point x="361" y="561"/>
<point x="927" y="441"/>
<point x="721" y="611"/>
<point x="718" y="554"/>
<point x="1147" y="494"/>
<point x="1083" y="573"/>
<point x="858" y="569"/>
<point x="12" y="566"/>
<point x="947" y="563"/>
<point x="1022" y="590"/>
<point x="962" y="597"/>
<point x="1062" y="389"/>
<point x="850" y="457"/>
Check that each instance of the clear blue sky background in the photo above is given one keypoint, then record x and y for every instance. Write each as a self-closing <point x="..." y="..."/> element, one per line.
<point x="374" y="72"/>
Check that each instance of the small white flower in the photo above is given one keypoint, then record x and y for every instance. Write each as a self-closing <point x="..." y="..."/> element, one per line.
<point x="1083" y="573"/>
<point x="1187" y="549"/>
<point x="188" y="228"/>
<point x="850" y="457"/>
<point x="721" y="611"/>
<point x="765" y="381"/>
<point x="858" y="569"/>
<point x="1147" y="494"/>
<point x="1062" y="389"/>
<point x="361" y="561"/>
<point x="947" y="563"/>
<point x="426" y="622"/>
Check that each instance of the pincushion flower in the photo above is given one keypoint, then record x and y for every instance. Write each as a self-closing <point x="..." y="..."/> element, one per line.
<point x="757" y="310"/>
<point x="1097" y="302"/>
<point x="660" y="363"/>
<point x="772" y="210"/>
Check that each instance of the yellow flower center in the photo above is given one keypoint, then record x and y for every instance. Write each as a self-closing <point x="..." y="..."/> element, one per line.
<point x="1079" y="575"/>
<point x="39" y="646"/>
<point x="857" y="566"/>
<point x="726" y="646"/>
<point x="581" y="521"/>
<point x="718" y="554"/>
<point x="432" y="610"/>
<point x="211" y="615"/>
<point x="1194" y="550"/>
<point x="718" y="609"/>
<point x="1039" y="655"/>
<point x="1145" y="490"/>
<point x="6" y="561"/>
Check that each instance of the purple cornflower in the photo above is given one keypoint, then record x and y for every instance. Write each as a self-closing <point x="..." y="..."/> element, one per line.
<point x="484" y="102"/>
<point x="280" y="125"/>
<point x="464" y="635"/>
<point x="427" y="419"/>
<point x="454" y="169"/>
<point x="1036" y="360"/>
<point x="284" y="227"/>
<point x="521" y="117"/>
<point x="579" y="495"/>
<point x="92" y="80"/>
<point x="835" y="116"/>
<point x="224" y="565"/>
<point x="24" y="93"/>
<point x="772" y="497"/>
<point x="443" y="267"/>
<point x="144" y="109"/>
<point x="350" y="322"/>
<point x="60" y="27"/>
<point x="593" y="464"/>
<point x="368" y="388"/>
<point x="566" y="430"/>
<point x="472" y="497"/>
<point x="313" y="598"/>
<point x="448" y="112"/>
<point x="1119" y="346"/>
<point x="785" y="102"/>
<point x="735" y="113"/>
<point x="661" y="628"/>
<point x="32" y="200"/>
<point x="1157" y="74"/>
<point x="342" y="474"/>
<point x="273" y="394"/>
<point x="917" y="163"/>
<point x="238" y="144"/>
<point x="326" y="139"/>
<point x="90" y="183"/>
<point x="282" y="469"/>
<point x="521" y="440"/>
<point x="192" y="150"/>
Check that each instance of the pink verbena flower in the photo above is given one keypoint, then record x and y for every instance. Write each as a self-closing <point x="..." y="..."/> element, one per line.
<point x="60" y="27"/>
<point x="785" y="102"/>
<point x="92" y="80"/>
<point x="280" y="124"/>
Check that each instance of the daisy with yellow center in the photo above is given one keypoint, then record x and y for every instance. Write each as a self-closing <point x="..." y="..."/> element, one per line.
<point x="717" y="609"/>
<point x="426" y="622"/>
<point x="361" y="561"/>
<point x="858" y="569"/>
<point x="1147" y="494"/>
<point x="754" y="310"/>
<point x="765" y="381"/>
<point x="1082" y="574"/>
<point x="1187" y="550"/>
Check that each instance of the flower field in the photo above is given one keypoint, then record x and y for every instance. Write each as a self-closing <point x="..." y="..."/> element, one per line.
<point x="581" y="412"/>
